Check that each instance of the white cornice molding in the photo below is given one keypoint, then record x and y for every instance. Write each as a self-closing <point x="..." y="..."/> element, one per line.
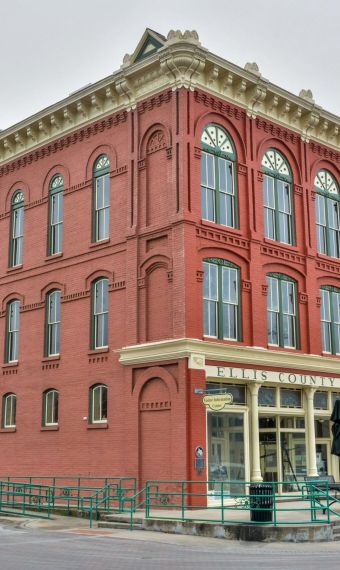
<point x="181" y="62"/>
<point x="198" y="352"/>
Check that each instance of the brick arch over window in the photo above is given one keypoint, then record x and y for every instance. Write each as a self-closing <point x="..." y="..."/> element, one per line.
<point x="285" y="150"/>
<point x="95" y="154"/>
<point x="221" y="120"/>
<point x="52" y="286"/>
<point x="321" y="164"/>
<point x="17" y="187"/>
<point x="156" y="137"/>
<point x="13" y="297"/>
<point x="60" y="169"/>
<point x="99" y="274"/>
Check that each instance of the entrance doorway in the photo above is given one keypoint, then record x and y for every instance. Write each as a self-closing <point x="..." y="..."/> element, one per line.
<point x="283" y="454"/>
<point x="226" y="452"/>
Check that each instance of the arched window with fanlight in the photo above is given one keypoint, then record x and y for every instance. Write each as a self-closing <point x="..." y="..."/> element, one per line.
<point x="55" y="228"/>
<point x="218" y="179"/>
<point x="98" y="403"/>
<point x="9" y="404"/>
<point x="327" y="206"/>
<point x="101" y="199"/>
<point x="277" y="198"/>
<point x="17" y="229"/>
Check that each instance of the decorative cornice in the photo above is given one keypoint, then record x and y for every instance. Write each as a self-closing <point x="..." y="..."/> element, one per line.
<point x="180" y="62"/>
<point x="176" y="349"/>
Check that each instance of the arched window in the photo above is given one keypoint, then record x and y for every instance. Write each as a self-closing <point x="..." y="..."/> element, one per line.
<point x="327" y="213"/>
<point x="17" y="229"/>
<point x="55" y="228"/>
<point x="101" y="199"/>
<point x="100" y="314"/>
<point x="50" y="408"/>
<point x="222" y="309"/>
<point x="330" y="319"/>
<point x="12" y="331"/>
<point x="52" y="326"/>
<point x="9" y="404"/>
<point x="218" y="180"/>
<point x="282" y="311"/>
<point x="98" y="404"/>
<point x="277" y="198"/>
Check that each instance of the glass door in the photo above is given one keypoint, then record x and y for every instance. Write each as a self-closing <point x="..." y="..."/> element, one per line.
<point x="226" y="452"/>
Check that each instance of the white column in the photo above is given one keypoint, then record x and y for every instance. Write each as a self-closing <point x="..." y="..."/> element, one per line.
<point x="312" y="469"/>
<point x="255" y="435"/>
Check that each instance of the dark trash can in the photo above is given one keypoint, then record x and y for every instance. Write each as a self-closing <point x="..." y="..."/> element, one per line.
<point x="261" y="501"/>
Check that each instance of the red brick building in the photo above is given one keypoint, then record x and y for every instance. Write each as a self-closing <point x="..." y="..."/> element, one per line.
<point x="169" y="233"/>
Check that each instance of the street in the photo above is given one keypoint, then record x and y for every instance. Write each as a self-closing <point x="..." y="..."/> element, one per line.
<point x="79" y="548"/>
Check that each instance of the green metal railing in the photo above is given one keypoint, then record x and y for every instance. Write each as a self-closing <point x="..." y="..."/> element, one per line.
<point x="87" y="495"/>
<point x="26" y="499"/>
<point x="235" y="502"/>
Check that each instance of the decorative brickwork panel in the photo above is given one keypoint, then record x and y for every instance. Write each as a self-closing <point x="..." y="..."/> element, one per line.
<point x="282" y="254"/>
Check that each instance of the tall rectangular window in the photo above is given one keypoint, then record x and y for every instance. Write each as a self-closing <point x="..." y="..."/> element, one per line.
<point x="52" y="342"/>
<point x="12" y="331"/>
<point x="277" y="198"/>
<point x="17" y="230"/>
<point x="221" y="300"/>
<point x="330" y="319"/>
<point x="282" y="318"/>
<point x="100" y="314"/>
<point x="56" y="199"/>
<point x="327" y="206"/>
<point x="101" y="199"/>
<point x="218" y="188"/>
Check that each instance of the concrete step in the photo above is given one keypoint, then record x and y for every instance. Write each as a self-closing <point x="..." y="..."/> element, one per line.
<point x="119" y="525"/>
<point x="122" y="518"/>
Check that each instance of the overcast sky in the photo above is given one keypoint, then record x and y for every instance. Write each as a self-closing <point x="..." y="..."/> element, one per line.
<point x="50" y="48"/>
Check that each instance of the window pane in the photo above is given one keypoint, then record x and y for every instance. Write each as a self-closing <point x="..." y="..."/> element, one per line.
<point x="290" y="398"/>
<point x="267" y="396"/>
<point x="210" y="171"/>
<point x="273" y="294"/>
<point x="283" y="191"/>
<point x="268" y="192"/>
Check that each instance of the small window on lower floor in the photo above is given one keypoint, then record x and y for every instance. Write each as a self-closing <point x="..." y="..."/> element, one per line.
<point x="50" y="408"/>
<point x="9" y="404"/>
<point x="98" y="404"/>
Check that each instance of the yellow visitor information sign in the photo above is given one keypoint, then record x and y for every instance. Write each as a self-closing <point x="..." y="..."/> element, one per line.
<point x="217" y="402"/>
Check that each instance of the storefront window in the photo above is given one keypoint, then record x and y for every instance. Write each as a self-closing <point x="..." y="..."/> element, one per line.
<point x="290" y="398"/>
<point x="237" y="391"/>
<point x="321" y="428"/>
<point x="293" y="457"/>
<point x="267" y="396"/>
<point x="321" y="400"/>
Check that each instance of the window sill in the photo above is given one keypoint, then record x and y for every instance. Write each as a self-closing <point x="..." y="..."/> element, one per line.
<point x="274" y="242"/>
<point x="99" y="243"/>
<point x="285" y="348"/>
<point x="54" y="256"/>
<point x="49" y="428"/>
<point x="8" y="430"/>
<point x="216" y="226"/>
<point x="98" y="426"/>
<point x="51" y="358"/>
<point x="11" y="364"/>
<point x="98" y="350"/>
<point x="15" y="268"/>
<point x="327" y="257"/>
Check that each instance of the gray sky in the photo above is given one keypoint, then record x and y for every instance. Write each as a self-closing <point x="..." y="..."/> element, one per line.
<point x="50" y="48"/>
